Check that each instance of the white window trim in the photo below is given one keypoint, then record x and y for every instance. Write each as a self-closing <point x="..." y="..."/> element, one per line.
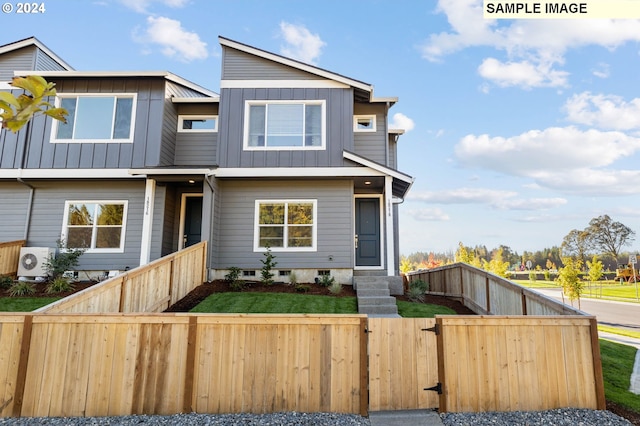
<point x="65" y="220"/>
<point x="54" y="128"/>
<point x="314" y="231"/>
<point x="371" y="117"/>
<point x="183" y="117"/>
<point x="323" y="125"/>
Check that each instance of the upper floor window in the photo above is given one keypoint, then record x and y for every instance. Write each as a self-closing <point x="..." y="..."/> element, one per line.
<point x="284" y="125"/>
<point x="364" y="123"/>
<point x="96" y="118"/>
<point x="97" y="226"/>
<point x="198" y="123"/>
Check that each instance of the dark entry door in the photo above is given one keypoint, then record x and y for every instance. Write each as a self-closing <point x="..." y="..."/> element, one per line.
<point x="368" y="232"/>
<point x="192" y="221"/>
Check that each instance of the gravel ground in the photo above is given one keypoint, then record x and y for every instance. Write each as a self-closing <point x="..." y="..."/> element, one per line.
<point x="560" y="417"/>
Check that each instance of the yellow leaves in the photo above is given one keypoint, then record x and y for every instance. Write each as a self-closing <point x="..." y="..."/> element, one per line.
<point x="17" y="111"/>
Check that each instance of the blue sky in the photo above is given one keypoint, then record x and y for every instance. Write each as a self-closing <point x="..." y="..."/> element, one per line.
<point x="518" y="131"/>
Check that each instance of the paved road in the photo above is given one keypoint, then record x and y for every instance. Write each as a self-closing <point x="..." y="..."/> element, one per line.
<point x="615" y="314"/>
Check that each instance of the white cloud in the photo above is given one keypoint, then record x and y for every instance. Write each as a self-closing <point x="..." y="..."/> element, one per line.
<point x="401" y="121"/>
<point x="565" y="159"/>
<point x="603" y="70"/>
<point x="175" y="41"/>
<point x="604" y="111"/>
<point x="496" y="199"/>
<point x="142" y="6"/>
<point x="301" y="44"/>
<point x="428" y="215"/>
<point x="535" y="45"/>
<point x="524" y="74"/>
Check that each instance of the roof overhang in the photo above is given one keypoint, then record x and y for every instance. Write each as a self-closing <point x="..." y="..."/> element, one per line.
<point x="401" y="181"/>
<point x="121" y="74"/>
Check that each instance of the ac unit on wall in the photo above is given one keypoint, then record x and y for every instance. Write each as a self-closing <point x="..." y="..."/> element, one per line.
<point x="32" y="261"/>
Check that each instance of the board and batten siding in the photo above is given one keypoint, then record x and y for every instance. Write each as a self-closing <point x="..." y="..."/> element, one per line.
<point x="14" y="201"/>
<point x="334" y="223"/>
<point x="339" y="129"/>
<point x="48" y="213"/>
<point x="238" y="65"/>
<point x="372" y="145"/>
<point x="144" y="151"/>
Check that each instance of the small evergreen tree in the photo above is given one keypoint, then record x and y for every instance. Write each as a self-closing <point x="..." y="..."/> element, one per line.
<point x="268" y="264"/>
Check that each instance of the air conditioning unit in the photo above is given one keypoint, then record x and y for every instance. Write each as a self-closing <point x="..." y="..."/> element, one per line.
<point x="32" y="261"/>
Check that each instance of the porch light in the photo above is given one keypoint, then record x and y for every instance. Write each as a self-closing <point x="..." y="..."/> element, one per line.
<point x="191" y="181"/>
<point x="367" y="182"/>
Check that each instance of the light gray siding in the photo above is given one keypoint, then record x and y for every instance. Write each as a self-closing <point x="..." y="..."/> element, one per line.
<point x="44" y="62"/>
<point x="334" y="223"/>
<point x="14" y="199"/>
<point x="393" y="152"/>
<point x="339" y="133"/>
<point x="21" y="59"/>
<point x="372" y="145"/>
<point x="237" y="65"/>
<point x="48" y="212"/>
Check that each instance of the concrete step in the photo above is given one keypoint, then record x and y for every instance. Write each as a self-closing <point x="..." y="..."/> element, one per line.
<point x="379" y="310"/>
<point x="373" y="292"/>
<point x="376" y="301"/>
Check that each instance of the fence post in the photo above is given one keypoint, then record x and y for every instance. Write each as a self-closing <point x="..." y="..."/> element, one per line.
<point x="188" y="400"/>
<point x="597" y="364"/>
<point x="23" y="365"/>
<point x="487" y="292"/>
<point x="442" y="405"/>
<point x="364" y="367"/>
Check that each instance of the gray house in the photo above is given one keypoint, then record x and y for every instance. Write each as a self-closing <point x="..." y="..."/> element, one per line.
<point x="288" y="156"/>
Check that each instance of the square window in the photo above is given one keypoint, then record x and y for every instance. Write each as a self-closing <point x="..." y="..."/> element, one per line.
<point x="95" y="118"/>
<point x="364" y="123"/>
<point x="285" y="225"/>
<point x="198" y="123"/>
<point x="280" y="125"/>
<point x="97" y="226"/>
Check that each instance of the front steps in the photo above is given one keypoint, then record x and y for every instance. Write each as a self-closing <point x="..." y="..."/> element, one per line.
<point x="374" y="296"/>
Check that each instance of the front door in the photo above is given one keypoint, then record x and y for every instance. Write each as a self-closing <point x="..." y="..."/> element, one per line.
<point x="192" y="221"/>
<point x="367" y="240"/>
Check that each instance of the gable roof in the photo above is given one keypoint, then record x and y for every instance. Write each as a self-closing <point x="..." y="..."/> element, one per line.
<point x="311" y="69"/>
<point x="32" y="41"/>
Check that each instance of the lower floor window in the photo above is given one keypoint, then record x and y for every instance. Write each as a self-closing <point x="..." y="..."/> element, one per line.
<point x="287" y="225"/>
<point x="95" y="225"/>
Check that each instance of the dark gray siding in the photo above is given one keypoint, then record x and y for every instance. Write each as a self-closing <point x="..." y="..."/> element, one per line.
<point x="334" y="223"/>
<point x="48" y="212"/>
<point x="21" y="59"/>
<point x="159" y="213"/>
<point x="339" y="129"/>
<point x="144" y="151"/>
<point x="169" y="231"/>
<point x="14" y="199"/>
<point x="393" y="152"/>
<point x="372" y="145"/>
<point x="237" y="65"/>
<point x="196" y="149"/>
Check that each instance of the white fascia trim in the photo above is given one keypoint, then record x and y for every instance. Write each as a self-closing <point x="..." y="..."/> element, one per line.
<point x="150" y="172"/>
<point x="375" y="166"/>
<point x="391" y="99"/>
<point x="297" y="172"/>
<point x="294" y="64"/>
<point x="65" y="174"/>
<point x="211" y="100"/>
<point x="275" y="84"/>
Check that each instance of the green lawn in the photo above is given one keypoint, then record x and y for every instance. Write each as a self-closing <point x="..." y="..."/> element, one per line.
<point x="279" y="303"/>
<point x="24" y="304"/>
<point x="617" y="366"/>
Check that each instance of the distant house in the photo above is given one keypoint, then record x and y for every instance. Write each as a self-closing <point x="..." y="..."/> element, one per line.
<point x="288" y="156"/>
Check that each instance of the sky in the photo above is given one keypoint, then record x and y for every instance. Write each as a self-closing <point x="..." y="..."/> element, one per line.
<point x="517" y="131"/>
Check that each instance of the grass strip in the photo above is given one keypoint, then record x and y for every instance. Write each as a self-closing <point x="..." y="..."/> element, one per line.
<point x="617" y="366"/>
<point x="24" y="304"/>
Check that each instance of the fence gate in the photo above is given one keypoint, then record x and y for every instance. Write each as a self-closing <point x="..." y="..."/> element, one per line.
<point x="402" y="364"/>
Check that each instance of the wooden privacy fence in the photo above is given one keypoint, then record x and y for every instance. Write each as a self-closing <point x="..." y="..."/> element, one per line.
<point x="119" y="364"/>
<point x="149" y="288"/>
<point x="122" y="364"/>
<point x="10" y="256"/>
<point x="486" y="293"/>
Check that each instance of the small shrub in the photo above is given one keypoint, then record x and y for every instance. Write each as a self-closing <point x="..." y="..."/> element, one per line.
<point x="66" y="259"/>
<point x="233" y="278"/>
<point x="21" y="289"/>
<point x="533" y="276"/>
<point x="302" y="288"/>
<point x="417" y="290"/>
<point x="335" y="288"/>
<point x="293" y="278"/>
<point x="326" y="280"/>
<point x="59" y="285"/>
<point x="5" y="282"/>
<point x="268" y="264"/>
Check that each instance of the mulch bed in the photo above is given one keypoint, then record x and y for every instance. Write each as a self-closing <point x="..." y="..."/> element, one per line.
<point x="220" y="286"/>
<point x="41" y="290"/>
